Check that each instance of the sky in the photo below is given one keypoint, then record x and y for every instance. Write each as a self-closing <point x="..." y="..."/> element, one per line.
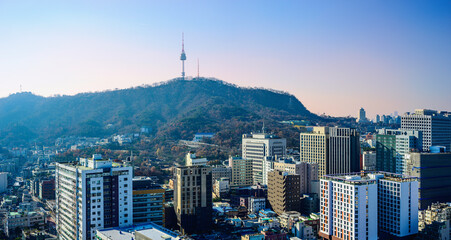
<point x="334" y="56"/>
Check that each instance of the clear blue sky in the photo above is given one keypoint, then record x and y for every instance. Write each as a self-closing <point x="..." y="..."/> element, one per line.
<point x="335" y="56"/>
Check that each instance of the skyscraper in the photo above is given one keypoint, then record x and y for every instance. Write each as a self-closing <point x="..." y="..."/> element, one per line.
<point x="344" y="150"/>
<point x="362" y="116"/>
<point x="368" y="206"/>
<point x="92" y="194"/>
<point x="193" y="199"/>
<point x="436" y="127"/>
<point x="260" y="146"/>
<point x="148" y="200"/>
<point x="314" y="148"/>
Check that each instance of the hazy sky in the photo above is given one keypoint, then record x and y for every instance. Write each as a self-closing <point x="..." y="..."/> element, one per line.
<point x="335" y="56"/>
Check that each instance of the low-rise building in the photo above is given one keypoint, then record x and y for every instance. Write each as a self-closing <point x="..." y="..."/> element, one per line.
<point x="150" y="231"/>
<point x="16" y="220"/>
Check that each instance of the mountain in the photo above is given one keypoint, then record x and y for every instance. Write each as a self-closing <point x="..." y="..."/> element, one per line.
<point x="175" y="109"/>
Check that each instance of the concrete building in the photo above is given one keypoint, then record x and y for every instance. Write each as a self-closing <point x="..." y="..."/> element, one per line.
<point x="435" y="125"/>
<point x="369" y="161"/>
<point x="222" y="187"/>
<point x="368" y="206"/>
<point x="193" y="199"/>
<point x="308" y="172"/>
<point x="434" y="222"/>
<point x="192" y="160"/>
<point x="314" y="148"/>
<point x="362" y="116"/>
<point x="283" y="191"/>
<point x="92" y="194"/>
<point x="255" y="204"/>
<point x="344" y="150"/>
<point x="258" y="147"/>
<point x="433" y="171"/>
<point x="148" y="201"/>
<point x="392" y="147"/>
<point x="242" y="174"/>
<point x="218" y="172"/>
<point x="24" y="220"/>
<point x="3" y="181"/>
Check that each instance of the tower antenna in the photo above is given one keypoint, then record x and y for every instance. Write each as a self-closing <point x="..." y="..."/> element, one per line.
<point x="183" y="56"/>
<point x="198" y="68"/>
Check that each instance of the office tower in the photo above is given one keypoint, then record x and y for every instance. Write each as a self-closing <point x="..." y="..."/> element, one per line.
<point x="241" y="172"/>
<point x="283" y="191"/>
<point x="344" y="150"/>
<point x="369" y="161"/>
<point x="436" y="127"/>
<point x="258" y="147"/>
<point x="92" y="194"/>
<point x="148" y="201"/>
<point x="392" y="147"/>
<point x="378" y="118"/>
<point x="193" y="199"/>
<point x="433" y="171"/>
<point x="3" y="181"/>
<point x="362" y="116"/>
<point x="368" y="206"/>
<point x="314" y="148"/>
<point x="192" y="160"/>
<point x="308" y="172"/>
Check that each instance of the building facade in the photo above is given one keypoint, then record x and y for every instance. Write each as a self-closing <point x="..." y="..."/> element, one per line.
<point x="368" y="206"/>
<point x="148" y="202"/>
<point x="344" y="150"/>
<point x="242" y="174"/>
<point x="308" y="173"/>
<point x="260" y="146"/>
<point x="434" y="176"/>
<point x="284" y="191"/>
<point x="92" y="194"/>
<point x="193" y="199"/>
<point x="435" y="126"/>
<point x="314" y="148"/>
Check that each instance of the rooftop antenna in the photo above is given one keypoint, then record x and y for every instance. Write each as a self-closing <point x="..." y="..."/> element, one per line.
<point x="263" y="128"/>
<point x="198" y="68"/>
<point x="183" y="56"/>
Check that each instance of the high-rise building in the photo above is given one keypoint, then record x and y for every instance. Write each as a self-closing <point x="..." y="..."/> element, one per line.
<point x="241" y="172"/>
<point x="314" y="148"/>
<point x="378" y="118"/>
<point x="260" y="146"/>
<point x="47" y="189"/>
<point x="308" y="172"/>
<point x="368" y="206"/>
<point x="344" y="150"/>
<point x="193" y="203"/>
<point x="434" y="175"/>
<point x="362" y="116"/>
<point x="148" y="201"/>
<point x="283" y="191"/>
<point x="392" y="147"/>
<point x="436" y="127"/>
<point x="92" y="194"/>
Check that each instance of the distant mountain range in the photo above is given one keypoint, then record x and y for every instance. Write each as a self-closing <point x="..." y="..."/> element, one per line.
<point x="174" y="110"/>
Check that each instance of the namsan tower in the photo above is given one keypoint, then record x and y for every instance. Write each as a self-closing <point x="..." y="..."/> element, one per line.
<point x="183" y="57"/>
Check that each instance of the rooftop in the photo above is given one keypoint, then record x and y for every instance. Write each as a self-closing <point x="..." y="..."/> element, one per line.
<point x="368" y="177"/>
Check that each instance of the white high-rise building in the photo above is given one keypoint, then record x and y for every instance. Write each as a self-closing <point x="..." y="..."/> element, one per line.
<point x="258" y="147"/>
<point x="92" y="194"/>
<point x="368" y="206"/>
<point x="436" y="127"/>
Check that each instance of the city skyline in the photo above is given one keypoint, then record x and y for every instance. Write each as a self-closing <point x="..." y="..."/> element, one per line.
<point x="384" y="58"/>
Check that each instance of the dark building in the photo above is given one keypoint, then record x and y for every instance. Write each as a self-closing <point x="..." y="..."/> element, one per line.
<point x="47" y="189"/>
<point x="193" y="199"/>
<point x="433" y="171"/>
<point x="284" y="191"/>
<point x="148" y="200"/>
<point x="344" y="150"/>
